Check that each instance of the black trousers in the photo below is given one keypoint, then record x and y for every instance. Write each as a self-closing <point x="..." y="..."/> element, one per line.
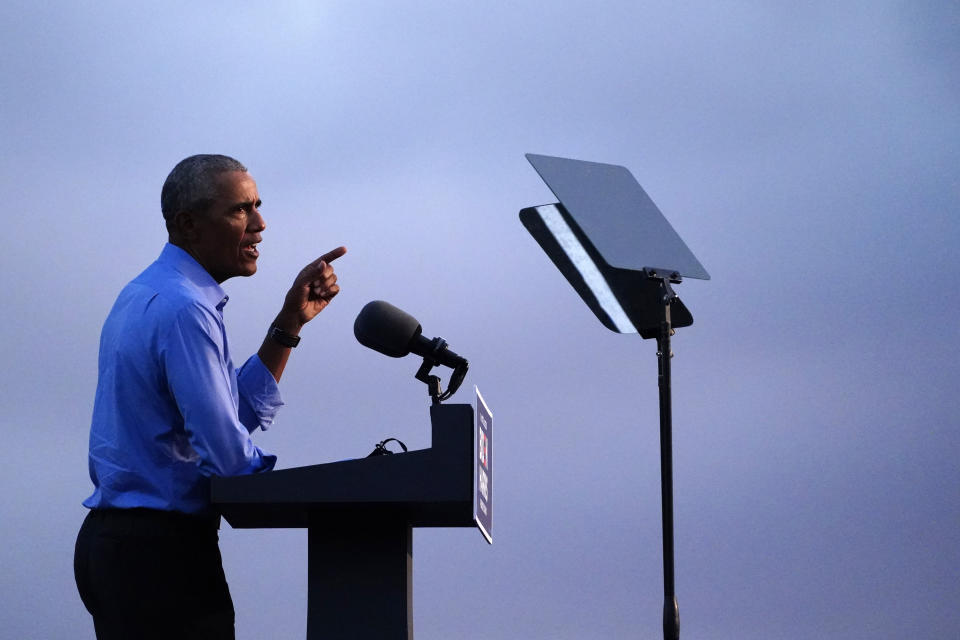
<point x="150" y="574"/>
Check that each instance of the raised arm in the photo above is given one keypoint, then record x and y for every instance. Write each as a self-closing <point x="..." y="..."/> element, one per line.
<point x="313" y="289"/>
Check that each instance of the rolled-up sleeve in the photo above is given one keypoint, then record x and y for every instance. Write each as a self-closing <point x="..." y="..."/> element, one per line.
<point x="204" y="385"/>
<point x="259" y="395"/>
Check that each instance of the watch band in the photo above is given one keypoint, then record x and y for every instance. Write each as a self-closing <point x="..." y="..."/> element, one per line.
<point x="282" y="337"/>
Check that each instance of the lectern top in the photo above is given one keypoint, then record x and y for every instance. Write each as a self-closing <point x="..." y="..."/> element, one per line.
<point x="617" y="215"/>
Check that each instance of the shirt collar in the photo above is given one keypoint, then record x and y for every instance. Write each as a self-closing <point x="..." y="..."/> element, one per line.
<point x="178" y="259"/>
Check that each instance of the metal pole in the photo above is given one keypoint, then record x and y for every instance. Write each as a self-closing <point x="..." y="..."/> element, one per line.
<point x="671" y="613"/>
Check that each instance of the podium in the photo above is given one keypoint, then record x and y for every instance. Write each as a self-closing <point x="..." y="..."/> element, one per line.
<point x="360" y="516"/>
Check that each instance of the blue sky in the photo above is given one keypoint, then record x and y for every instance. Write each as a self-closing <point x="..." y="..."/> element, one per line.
<point x="806" y="153"/>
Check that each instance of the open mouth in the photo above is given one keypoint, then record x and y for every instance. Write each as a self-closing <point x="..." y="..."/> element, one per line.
<point x="250" y="250"/>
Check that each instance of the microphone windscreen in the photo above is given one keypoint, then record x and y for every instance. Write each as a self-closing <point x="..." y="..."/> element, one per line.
<point x="385" y="328"/>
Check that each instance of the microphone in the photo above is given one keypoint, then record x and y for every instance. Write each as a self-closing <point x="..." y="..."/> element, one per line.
<point x="395" y="333"/>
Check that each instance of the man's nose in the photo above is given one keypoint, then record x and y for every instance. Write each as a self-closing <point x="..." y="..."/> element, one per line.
<point x="256" y="223"/>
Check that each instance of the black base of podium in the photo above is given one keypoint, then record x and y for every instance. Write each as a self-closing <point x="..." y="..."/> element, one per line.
<point x="360" y="579"/>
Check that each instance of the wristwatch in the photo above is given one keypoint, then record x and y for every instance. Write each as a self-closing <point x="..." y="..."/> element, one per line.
<point x="284" y="338"/>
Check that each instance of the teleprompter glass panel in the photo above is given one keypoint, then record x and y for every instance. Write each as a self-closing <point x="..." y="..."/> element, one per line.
<point x="617" y="215"/>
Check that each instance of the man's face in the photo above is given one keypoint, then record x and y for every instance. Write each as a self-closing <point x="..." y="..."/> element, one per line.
<point x="228" y="232"/>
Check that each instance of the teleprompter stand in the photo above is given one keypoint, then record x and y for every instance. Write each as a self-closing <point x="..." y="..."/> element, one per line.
<point x="360" y="516"/>
<point x="621" y="255"/>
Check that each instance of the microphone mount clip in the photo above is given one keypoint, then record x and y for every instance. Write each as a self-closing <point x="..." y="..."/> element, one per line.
<point x="434" y="387"/>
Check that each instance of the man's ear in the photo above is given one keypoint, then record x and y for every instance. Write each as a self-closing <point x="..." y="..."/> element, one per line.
<point x="185" y="225"/>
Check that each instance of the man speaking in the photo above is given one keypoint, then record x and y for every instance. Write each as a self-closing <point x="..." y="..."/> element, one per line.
<point x="171" y="411"/>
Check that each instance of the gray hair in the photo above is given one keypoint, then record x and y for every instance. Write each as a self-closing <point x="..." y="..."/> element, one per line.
<point x="192" y="183"/>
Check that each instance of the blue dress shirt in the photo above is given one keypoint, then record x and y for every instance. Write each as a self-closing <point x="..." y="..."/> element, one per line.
<point x="170" y="410"/>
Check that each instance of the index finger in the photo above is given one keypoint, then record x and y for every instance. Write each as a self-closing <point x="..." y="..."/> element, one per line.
<point x="330" y="256"/>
